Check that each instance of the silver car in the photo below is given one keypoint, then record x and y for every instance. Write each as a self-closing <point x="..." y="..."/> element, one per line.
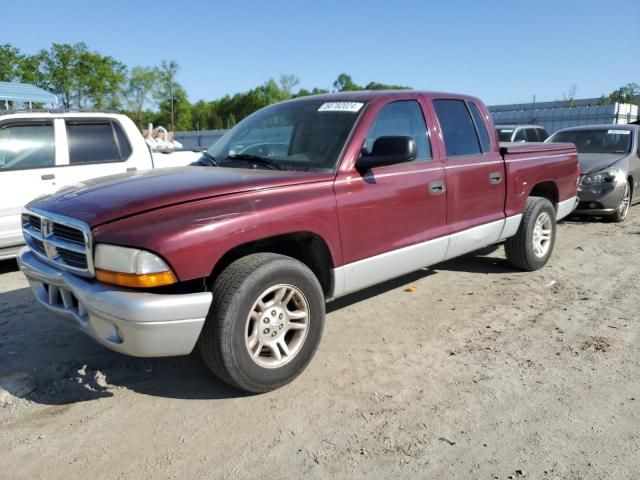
<point x="609" y="157"/>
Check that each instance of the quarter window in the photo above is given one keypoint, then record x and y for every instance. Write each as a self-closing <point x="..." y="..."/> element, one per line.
<point x="458" y="131"/>
<point x="96" y="142"/>
<point x="481" y="127"/>
<point x="27" y="146"/>
<point x="403" y="118"/>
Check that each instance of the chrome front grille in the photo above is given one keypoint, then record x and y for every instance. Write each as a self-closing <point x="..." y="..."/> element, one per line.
<point x="63" y="241"/>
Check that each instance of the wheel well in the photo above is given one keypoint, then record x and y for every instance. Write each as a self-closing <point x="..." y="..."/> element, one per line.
<point x="306" y="247"/>
<point x="547" y="190"/>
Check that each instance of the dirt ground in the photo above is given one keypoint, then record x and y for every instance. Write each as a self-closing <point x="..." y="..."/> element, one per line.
<point x="482" y="372"/>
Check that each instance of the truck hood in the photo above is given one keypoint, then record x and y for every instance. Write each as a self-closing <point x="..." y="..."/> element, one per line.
<point x="106" y="199"/>
<point x="594" y="162"/>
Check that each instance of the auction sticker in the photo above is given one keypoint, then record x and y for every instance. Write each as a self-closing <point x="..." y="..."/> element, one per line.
<point x="618" y="132"/>
<point x="340" y="107"/>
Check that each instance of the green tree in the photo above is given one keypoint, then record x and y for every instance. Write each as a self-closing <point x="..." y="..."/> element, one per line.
<point x="344" y="83"/>
<point x="287" y="84"/>
<point x="99" y="80"/>
<point x="382" y="86"/>
<point x="629" y="93"/>
<point x="141" y="83"/>
<point x="10" y="63"/>
<point x="59" y="66"/>
<point x="178" y="108"/>
<point x="167" y="88"/>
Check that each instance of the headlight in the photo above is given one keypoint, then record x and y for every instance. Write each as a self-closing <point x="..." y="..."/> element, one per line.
<point x="130" y="267"/>
<point x="609" y="175"/>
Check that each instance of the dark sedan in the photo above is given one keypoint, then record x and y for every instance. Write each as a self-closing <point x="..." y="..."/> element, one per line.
<point x="609" y="157"/>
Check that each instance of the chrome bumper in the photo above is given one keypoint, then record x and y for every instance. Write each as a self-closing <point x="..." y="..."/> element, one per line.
<point x="134" y="323"/>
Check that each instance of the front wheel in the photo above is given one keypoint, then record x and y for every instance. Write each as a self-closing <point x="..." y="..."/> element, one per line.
<point x="265" y="322"/>
<point x="532" y="245"/>
<point x="622" y="210"/>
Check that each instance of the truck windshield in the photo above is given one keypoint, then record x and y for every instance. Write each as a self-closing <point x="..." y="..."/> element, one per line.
<point x="602" y="140"/>
<point x="504" y="134"/>
<point x="305" y="135"/>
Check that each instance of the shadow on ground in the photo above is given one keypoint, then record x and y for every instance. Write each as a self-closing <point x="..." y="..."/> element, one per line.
<point x="7" y="266"/>
<point x="66" y="366"/>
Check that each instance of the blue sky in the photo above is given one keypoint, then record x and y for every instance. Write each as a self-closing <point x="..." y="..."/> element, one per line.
<point x="501" y="51"/>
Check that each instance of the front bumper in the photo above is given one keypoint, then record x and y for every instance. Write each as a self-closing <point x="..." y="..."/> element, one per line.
<point x="135" y="323"/>
<point x="598" y="200"/>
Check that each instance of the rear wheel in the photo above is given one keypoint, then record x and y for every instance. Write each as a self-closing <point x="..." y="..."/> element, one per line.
<point x="532" y="245"/>
<point x="265" y="322"/>
<point x="622" y="210"/>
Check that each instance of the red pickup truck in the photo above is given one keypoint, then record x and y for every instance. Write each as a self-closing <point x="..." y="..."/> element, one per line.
<point x="301" y="202"/>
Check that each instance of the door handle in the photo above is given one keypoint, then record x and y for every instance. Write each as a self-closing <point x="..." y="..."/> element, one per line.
<point x="132" y="169"/>
<point x="495" y="177"/>
<point x="48" y="176"/>
<point x="437" y="187"/>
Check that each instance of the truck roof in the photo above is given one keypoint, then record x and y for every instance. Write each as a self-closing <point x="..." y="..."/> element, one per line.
<point x="57" y="114"/>
<point x="370" y="95"/>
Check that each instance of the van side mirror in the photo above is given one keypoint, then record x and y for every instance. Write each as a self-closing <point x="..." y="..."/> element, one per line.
<point x="388" y="151"/>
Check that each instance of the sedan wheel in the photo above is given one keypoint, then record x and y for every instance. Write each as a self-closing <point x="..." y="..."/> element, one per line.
<point x="622" y="210"/>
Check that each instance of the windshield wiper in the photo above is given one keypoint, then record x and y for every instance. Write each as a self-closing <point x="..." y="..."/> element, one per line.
<point x="207" y="159"/>
<point x="247" y="157"/>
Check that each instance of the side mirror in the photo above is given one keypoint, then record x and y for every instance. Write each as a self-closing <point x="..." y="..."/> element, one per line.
<point x="388" y="151"/>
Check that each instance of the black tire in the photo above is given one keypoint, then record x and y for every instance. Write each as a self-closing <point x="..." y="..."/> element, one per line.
<point x="222" y="343"/>
<point x="621" y="212"/>
<point x="520" y="248"/>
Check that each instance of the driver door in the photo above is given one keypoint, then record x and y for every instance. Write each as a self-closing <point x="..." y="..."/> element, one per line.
<point x="393" y="218"/>
<point x="27" y="170"/>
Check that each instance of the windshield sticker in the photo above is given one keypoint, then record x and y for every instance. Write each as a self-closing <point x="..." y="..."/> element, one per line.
<point x="618" y="132"/>
<point x="341" y="107"/>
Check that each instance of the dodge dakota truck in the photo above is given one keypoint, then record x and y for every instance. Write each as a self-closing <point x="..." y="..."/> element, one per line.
<point x="302" y="202"/>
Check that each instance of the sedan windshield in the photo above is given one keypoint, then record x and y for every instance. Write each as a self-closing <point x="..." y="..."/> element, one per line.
<point x="305" y="135"/>
<point x="601" y="140"/>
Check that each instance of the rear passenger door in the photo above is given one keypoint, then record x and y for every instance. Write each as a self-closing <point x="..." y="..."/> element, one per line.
<point x="474" y="175"/>
<point x="96" y="148"/>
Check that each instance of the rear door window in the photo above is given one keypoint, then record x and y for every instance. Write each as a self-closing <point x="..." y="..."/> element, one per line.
<point x="96" y="142"/>
<point x="458" y="129"/>
<point x="403" y="118"/>
<point x="27" y="146"/>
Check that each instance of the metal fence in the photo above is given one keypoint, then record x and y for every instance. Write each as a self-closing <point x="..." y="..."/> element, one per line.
<point x="551" y="115"/>
<point x="201" y="139"/>
<point x="556" y="118"/>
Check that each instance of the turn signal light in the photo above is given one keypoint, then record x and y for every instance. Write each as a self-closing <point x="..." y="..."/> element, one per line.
<point x="146" y="280"/>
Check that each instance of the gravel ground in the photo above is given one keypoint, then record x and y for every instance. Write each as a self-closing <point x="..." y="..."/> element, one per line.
<point x="481" y="372"/>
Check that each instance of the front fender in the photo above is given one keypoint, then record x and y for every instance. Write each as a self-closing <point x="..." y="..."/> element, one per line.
<point x="192" y="237"/>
